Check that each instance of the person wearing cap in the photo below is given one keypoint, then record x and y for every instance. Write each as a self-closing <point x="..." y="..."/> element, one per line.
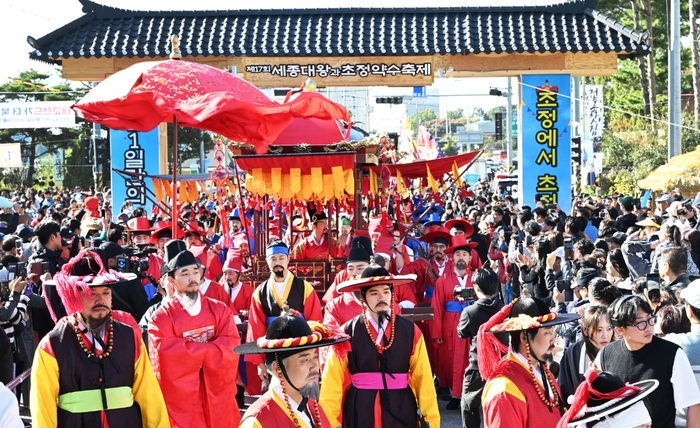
<point x="520" y="390"/>
<point x="240" y="294"/>
<point x="636" y="250"/>
<point x="191" y="338"/>
<point x="641" y="355"/>
<point x="427" y="272"/>
<point x="663" y="202"/>
<point x="161" y="234"/>
<point x="315" y="246"/>
<point x="603" y="400"/>
<point x="388" y="368"/>
<point x="290" y="349"/>
<point x="463" y="227"/>
<point x="628" y="218"/>
<point x="92" y="369"/>
<point x="280" y="290"/>
<point x="360" y="256"/>
<point x="448" y="305"/>
<point x="346" y="306"/>
<point x="208" y="255"/>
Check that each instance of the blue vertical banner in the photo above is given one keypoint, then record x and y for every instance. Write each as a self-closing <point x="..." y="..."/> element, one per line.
<point x="546" y="140"/>
<point x="137" y="153"/>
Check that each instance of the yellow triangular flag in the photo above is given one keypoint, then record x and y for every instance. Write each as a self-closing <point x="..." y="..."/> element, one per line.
<point x="455" y="173"/>
<point x="431" y="180"/>
<point x="399" y="182"/>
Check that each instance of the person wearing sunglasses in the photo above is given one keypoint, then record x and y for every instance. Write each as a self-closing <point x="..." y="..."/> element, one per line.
<point x="641" y="356"/>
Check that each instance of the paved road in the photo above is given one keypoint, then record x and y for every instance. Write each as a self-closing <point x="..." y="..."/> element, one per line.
<point x="449" y="418"/>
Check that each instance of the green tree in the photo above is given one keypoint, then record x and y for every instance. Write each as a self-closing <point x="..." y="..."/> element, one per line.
<point x="31" y="86"/>
<point x="455" y="114"/>
<point x="189" y="140"/>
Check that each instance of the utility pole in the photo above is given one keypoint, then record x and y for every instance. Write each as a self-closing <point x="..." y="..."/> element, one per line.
<point x="509" y="127"/>
<point x="674" y="81"/>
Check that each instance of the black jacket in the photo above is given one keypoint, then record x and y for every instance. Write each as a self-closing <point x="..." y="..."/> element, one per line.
<point x="624" y="222"/>
<point x="569" y="376"/>
<point x="41" y="319"/>
<point x="473" y="316"/>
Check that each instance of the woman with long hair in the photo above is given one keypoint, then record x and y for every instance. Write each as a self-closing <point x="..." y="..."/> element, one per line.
<point x="596" y="332"/>
<point x="617" y="271"/>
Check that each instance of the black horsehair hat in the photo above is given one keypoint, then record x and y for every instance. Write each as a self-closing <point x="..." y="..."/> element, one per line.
<point x="603" y="394"/>
<point x="177" y="256"/>
<point x="290" y="334"/>
<point x="360" y="250"/>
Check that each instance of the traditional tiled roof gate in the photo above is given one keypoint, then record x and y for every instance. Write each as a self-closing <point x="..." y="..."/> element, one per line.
<point x="569" y="38"/>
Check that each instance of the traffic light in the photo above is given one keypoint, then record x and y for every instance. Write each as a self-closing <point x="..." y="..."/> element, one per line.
<point x="495" y="92"/>
<point x="85" y="143"/>
<point x="389" y="100"/>
<point x="100" y="149"/>
<point x="576" y="150"/>
<point x="499" y="126"/>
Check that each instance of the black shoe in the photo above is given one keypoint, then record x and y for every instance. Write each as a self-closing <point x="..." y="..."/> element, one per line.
<point x="240" y="397"/>
<point x="444" y="393"/>
<point x="453" y="404"/>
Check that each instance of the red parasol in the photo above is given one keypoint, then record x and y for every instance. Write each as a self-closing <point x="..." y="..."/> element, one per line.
<point x="142" y="96"/>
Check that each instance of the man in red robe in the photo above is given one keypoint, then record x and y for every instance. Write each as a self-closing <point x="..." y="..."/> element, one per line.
<point x="427" y="273"/>
<point x="459" y="226"/>
<point x="191" y="338"/>
<point x="448" y="304"/>
<point x="315" y="246"/>
<point x="521" y="391"/>
<point x="209" y="287"/>
<point x="290" y="348"/>
<point x="270" y="298"/>
<point x="240" y="295"/>
<point x="194" y="238"/>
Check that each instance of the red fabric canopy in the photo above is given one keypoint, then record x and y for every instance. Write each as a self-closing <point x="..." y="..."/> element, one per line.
<point x="301" y="161"/>
<point x="438" y="167"/>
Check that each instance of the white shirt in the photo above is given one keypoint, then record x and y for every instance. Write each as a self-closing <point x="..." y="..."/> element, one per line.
<point x="193" y="310"/>
<point x="9" y="410"/>
<point x="204" y="286"/>
<point x="685" y="389"/>
<point x="280" y="286"/>
<point x="385" y="324"/>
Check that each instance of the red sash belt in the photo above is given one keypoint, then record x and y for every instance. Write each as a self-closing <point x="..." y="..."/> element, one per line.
<point x="373" y="380"/>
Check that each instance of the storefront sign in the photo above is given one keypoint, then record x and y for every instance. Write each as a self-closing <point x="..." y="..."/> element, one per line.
<point x="137" y="153"/>
<point x="546" y="140"/>
<point x="339" y="71"/>
<point x="38" y="114"/>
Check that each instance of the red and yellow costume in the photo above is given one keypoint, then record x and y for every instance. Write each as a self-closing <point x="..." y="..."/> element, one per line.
<point x="510" y="400"/>
<point x="60" y="380"/>
<point x="348" y="405"/>
<point x="194" y="363"/>
<point x="453" y="354"/>
<point x="270" y="411"/>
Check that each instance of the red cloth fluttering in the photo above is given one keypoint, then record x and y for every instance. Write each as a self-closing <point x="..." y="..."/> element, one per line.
<point x="489" y="348"/>
<point x="585" y="391"/>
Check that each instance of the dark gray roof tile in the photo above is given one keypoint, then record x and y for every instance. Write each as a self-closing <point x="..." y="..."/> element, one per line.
<point x="568" y="27"/>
